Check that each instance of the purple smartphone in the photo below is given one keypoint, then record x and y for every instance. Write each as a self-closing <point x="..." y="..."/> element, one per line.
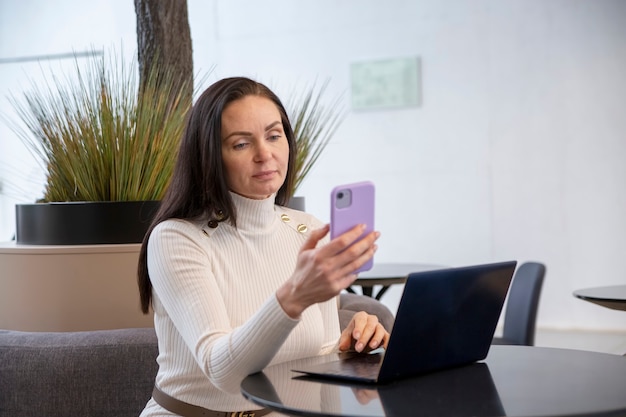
<point x="352" y="204"/>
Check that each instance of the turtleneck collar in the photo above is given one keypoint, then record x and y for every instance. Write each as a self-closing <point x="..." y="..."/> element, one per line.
<point x="254" y="215"/>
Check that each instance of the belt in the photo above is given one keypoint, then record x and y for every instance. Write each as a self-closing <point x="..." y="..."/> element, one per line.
<point x="184" y="409"/>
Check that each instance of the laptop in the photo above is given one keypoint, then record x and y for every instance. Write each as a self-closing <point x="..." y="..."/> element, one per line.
<point x="446" y="318"/>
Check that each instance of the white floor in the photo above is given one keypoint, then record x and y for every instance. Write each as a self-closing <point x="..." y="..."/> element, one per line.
<point x="596" y="341"/>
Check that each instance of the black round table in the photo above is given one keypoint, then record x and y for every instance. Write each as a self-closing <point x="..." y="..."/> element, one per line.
<point x="386" y="275"/>
<point x="512" y="381"/>
<point x="613" y="296"/>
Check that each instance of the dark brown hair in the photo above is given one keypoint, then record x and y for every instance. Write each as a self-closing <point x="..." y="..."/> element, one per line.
<point x="198" y="184"/>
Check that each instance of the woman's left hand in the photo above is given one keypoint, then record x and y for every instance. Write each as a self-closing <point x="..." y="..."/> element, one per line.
<point x="363" y="334"/>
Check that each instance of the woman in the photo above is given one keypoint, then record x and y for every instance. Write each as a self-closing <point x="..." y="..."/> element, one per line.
<point x="237" y="281"/>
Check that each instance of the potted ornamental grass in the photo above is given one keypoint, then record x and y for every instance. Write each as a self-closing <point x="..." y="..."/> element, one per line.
<point x="107" y="148"/>
<point x="314" y="125"/>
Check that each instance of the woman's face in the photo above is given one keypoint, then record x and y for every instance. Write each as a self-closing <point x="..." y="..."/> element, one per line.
<point x="255" y="150"/>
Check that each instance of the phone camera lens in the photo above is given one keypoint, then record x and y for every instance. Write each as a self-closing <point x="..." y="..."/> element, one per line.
<point x="340" y="195"/>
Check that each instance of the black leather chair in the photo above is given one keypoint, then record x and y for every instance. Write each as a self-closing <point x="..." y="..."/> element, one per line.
<point x="520" y="316"/>
<point x="350" y="304"/>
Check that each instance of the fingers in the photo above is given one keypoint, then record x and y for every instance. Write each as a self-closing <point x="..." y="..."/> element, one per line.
<point x="343" y="255"/>
<point x="342" y="242"/>
<point x="315" y="236"/>
<point x="345" y="340"/>
<point x="322" y="272"/>
<point x="351" y="250"/>
<point x="364" y="396"/>
<point x="365" y="330"/>
<point x="353" y="258"/>
<point x="363" y="333"/>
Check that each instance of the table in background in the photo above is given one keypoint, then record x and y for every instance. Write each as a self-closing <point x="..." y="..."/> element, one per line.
<point x="386" y="275"/>
<point x="512" y="381"/>
<point x="613" y="297"/>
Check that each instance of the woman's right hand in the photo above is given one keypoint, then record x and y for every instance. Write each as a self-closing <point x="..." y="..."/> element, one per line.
<point x="323" y="272"/>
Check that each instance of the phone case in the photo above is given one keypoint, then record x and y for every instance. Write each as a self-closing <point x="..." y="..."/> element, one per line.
<point x="352" y="204"/>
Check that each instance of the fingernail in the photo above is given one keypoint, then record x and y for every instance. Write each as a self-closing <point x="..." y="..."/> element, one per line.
<point x="374" y="343"/>
<point x="357" y="335"/>
<point x="359" y="347"/>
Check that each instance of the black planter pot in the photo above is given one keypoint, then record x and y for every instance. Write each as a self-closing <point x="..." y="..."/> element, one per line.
<point x="297" y="203"/>
<point x="83" y="223"/>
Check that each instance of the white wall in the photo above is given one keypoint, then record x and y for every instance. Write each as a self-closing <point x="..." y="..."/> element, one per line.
<point x="515" y="152"/>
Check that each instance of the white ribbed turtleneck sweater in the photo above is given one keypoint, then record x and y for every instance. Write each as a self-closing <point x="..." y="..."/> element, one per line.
<point x="215" y="310"/>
